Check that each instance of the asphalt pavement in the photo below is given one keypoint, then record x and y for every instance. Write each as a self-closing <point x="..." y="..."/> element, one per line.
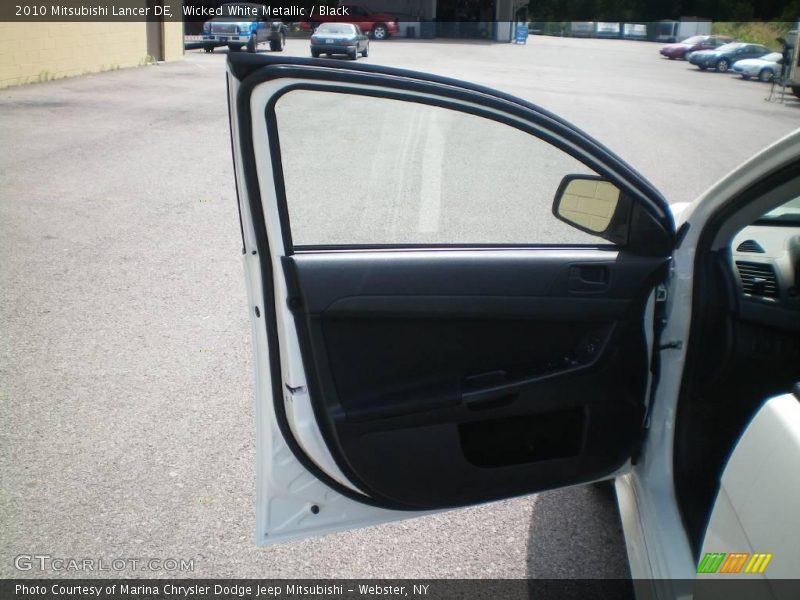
<point x="126" y="395"/>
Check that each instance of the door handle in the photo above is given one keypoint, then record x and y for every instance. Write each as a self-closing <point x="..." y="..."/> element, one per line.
<point x="488" y="389"/>
<point x="589" y="278"/>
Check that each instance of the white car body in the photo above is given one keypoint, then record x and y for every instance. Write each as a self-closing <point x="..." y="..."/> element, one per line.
<point x="657" y="546"/>
<point x="748" y="514"/>
<point x="292" y="503"/>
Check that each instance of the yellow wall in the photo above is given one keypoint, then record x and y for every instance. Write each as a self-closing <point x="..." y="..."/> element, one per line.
<point x="31" y="52"/>
<point x="173" y="41"/>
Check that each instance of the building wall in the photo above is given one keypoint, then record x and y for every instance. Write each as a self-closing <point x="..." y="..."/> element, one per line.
<point x="504" y="13"/>
<point x="34" y="52"/>
<point x="173" y="41"/>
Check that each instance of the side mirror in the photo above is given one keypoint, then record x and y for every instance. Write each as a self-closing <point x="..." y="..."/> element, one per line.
<point x="594" y="205"/>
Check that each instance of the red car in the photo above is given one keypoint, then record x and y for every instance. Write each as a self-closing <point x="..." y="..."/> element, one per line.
<point x="692" y="44"/>
<point x="378" y="25"/>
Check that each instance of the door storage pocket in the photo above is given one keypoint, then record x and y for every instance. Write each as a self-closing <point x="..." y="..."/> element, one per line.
<point x="522" y="439"/>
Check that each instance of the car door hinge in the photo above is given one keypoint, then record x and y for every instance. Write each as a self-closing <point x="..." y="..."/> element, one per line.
<point x="659" y="323"/>
<point x="676" y="345"/>
<point x="295" y="390"/>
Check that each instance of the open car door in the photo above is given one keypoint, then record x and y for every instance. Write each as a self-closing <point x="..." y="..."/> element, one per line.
<point x="451" y="293"/>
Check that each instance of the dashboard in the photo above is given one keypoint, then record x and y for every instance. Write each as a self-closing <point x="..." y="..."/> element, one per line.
<point x="766" y="264"/>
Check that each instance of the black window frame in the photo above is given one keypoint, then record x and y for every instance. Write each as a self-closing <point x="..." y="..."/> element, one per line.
<point x="656" y="237"/>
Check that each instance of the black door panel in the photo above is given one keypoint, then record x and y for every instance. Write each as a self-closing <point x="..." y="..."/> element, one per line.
<point x="449" y="465"/>
<point x="387" y="366"/>
<point x="331" y="276"/>
<point x="443" y="378"/>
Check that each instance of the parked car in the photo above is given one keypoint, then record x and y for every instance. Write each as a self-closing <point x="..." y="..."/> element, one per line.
<point x="693" y="44"/>
<point x="723" y="57"/>
<point x="378" y="25"/>
<point x="238" y="32"/>
<point x="764" y="68"/>
<point x="411" y="359"/>
<point x="339" y="38"/>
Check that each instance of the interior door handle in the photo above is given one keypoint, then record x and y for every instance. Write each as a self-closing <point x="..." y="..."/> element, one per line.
<point x="491" y="397"/>
<point x="487" y="389"/>
<point x="589" y="278"/>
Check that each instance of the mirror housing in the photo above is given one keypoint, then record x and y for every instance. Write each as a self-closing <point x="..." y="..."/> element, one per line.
<point x="594" y="205"/>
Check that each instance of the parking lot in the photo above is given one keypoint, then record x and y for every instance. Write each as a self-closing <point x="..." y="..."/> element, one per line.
<point x="125" y="359"/>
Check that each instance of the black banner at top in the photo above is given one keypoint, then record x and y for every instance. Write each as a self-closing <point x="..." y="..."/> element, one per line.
<point x="627" y="11"/>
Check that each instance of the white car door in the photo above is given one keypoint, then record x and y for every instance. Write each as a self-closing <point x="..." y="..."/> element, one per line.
<point x="448" y="289"/>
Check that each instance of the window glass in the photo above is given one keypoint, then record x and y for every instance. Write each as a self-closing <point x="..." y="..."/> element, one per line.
<point x="788" y="214"/>
<point x="361" y="170"/>
<point x="335" y="29"/>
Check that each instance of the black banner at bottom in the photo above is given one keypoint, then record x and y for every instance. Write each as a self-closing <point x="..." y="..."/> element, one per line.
<point x="384" y="589"/>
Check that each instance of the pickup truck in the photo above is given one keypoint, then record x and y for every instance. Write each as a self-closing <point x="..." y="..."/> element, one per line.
<point x="242" y="25"/>
<point x="378" y="25"/>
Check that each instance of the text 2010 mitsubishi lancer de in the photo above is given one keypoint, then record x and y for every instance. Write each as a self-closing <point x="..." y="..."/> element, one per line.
<point x="432" y="339"/>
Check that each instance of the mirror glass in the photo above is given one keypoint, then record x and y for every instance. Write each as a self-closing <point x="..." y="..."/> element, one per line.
<point x="589" y="203"/>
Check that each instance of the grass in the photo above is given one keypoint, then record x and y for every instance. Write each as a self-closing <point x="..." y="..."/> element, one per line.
<point x="756" y="32"/>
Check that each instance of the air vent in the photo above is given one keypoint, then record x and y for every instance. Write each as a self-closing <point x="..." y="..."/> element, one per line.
<point x="758" y="279"/>
<point x="750" y="246"/>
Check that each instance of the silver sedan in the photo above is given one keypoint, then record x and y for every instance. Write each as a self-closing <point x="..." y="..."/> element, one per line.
<point x="764" y="68"/>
